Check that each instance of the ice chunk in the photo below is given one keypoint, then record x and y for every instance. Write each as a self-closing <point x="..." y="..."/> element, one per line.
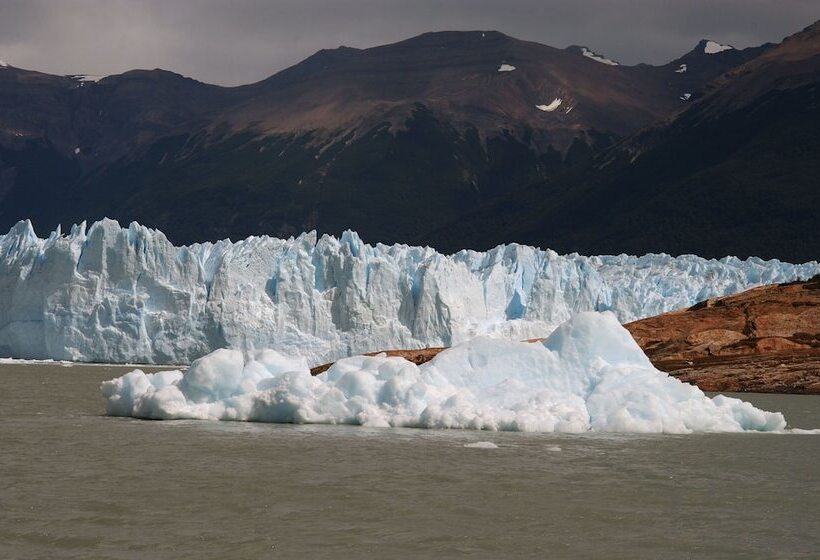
<point x="588" y="375"/>
<point x="3" y="64"/>
<point x="685" y="96"/>
<point x="481" y="445"/>
<point x="681" y="69"/>
<point x="552" y="106"/>
<point x="506" y="68"/>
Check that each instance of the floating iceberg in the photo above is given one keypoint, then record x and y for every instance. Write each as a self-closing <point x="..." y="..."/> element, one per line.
<point x="588" y="375"/>
<point x="112" y="294"/>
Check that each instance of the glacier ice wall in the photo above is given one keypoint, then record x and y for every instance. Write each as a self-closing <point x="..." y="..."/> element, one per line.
<point x="112" y="294"/>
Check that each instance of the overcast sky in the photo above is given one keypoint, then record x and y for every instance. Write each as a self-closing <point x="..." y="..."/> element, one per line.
<point x="233" y="42"/>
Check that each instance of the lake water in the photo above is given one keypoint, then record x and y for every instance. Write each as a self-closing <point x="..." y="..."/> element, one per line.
<point x="76" y="484"/>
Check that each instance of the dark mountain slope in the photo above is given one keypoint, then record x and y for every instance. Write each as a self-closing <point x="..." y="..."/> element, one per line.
<point x="734" y="174"/>
<point x="482" y="80"/>
<point x="395" y="141"/>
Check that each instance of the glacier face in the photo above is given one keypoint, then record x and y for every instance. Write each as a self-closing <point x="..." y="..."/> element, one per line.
<point x="112" y="294"/>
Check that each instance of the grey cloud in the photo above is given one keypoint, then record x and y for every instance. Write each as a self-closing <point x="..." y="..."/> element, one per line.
<point x="241" y="41"/>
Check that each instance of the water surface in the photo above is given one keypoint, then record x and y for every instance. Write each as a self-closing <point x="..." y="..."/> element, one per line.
<point x="76" y="484"/>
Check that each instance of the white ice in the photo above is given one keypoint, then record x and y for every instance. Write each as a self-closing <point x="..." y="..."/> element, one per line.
<point x="481" y="445"/>
<point x="681" y="69"/>
<point x="713" y="47"/>
<point x="588" y="375"/>
<point x="506" y="68"/>
<point x="597" y="57"/>
<point x="553" y="105"/>
<point x="16" y="362"/>
<point x="3" y="64"/>
<point x="112" y="294"/>
<point x="85" y="77"/>
<point x="685" y="96"/>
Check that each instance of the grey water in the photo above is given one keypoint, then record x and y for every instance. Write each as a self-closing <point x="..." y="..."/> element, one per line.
<point x="77" y="484"/>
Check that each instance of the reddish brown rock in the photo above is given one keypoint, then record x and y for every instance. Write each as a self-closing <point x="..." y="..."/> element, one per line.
<point x="766" y="339"/>
<point x="418" y="357"/>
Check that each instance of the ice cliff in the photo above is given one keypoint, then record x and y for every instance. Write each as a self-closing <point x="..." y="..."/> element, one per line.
<point x="112" y="294"/>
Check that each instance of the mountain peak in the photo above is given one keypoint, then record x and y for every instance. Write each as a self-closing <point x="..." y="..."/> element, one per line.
<point x="710" y="53"/>
<point x="440" y="36"/>
<point x="434" y="39"/>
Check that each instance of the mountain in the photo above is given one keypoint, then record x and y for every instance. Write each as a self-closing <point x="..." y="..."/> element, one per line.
<point x="399" y="142"/>
<point x="735" y="173"/>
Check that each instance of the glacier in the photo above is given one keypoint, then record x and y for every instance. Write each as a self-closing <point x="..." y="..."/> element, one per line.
<point x="588" y="375"/>
<point x="104" y="293"/>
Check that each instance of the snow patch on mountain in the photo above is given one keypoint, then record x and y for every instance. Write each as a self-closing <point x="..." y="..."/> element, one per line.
<point x="553" y="105"/>
<point x="589" y="375"/>
<point x="713" y="47"/>
<point x="85" y="77"/>
<point x="110" y="294"/>
<point x="506" y="68"/>
<point x="597" y="57"/>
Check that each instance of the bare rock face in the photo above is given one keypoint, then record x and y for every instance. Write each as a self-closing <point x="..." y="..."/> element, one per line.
<point x="764" y="339"/>
<point x="778" y="318"/>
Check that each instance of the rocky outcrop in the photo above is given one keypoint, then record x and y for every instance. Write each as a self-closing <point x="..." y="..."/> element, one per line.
<point x="767" y="319"/>
<point x="765" y="339"/>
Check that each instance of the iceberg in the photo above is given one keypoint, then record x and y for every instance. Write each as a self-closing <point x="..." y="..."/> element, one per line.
<point x="588" y="375"/>
<point x="105" y="293"/>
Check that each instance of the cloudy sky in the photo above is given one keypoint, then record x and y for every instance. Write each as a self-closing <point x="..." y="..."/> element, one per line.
<point x="240" y="41"/>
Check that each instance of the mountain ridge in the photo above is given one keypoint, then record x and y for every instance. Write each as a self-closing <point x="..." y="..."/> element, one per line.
<point x="398" y="142"/>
